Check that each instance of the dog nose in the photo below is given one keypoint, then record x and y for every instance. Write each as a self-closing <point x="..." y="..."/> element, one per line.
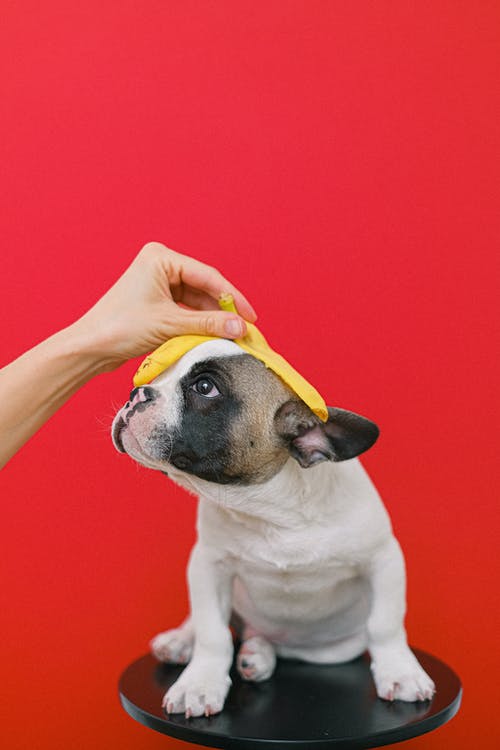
<point x="141" y="395"/>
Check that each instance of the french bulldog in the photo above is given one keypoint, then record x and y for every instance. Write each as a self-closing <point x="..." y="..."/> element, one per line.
<point x="295" y="548"/>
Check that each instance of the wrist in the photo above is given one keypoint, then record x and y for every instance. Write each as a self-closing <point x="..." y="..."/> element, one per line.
<point x="84" y="341"/>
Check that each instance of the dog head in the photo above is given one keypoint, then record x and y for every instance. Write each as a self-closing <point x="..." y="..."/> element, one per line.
<point x="220" y="415"/>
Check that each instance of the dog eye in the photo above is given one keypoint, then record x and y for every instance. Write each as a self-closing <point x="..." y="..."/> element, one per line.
<point x="206" y="388"/>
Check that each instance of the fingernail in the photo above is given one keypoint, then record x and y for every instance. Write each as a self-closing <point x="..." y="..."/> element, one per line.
<point x="233" y="328"/>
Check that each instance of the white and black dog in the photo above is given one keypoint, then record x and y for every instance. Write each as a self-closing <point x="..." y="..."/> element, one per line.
<point x="303" y="560"/>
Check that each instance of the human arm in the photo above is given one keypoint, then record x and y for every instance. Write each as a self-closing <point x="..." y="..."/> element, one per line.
<point x="136" y="315"/>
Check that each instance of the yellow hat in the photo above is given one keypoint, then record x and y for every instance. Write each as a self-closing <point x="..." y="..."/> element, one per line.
<point x="253" y="343"/>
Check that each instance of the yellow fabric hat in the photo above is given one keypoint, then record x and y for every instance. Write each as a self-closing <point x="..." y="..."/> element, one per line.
<point x="253" y="343"/>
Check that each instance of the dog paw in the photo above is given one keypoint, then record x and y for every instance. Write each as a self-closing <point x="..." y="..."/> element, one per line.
<point x="402" y="679"/>
<point x="172" y="646"/>
<point x="197" y="693"/>
<point x="256" y="659"/>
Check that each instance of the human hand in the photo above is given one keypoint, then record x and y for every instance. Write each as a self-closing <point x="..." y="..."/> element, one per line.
<point x="141" y="310"/>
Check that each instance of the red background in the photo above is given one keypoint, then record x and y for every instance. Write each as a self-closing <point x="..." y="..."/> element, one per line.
<point x="338" y="162"/>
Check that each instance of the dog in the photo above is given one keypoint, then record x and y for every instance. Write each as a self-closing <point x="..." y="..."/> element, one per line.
<point x="295" y="548"/>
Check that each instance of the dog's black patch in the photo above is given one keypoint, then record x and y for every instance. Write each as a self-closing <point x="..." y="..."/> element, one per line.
<point x="201" y="443"/>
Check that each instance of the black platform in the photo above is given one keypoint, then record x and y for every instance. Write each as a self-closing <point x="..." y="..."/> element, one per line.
<point x="301" y="706"/>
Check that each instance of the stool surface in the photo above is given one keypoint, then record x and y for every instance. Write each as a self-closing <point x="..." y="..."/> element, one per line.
<point x="301" y="706"/>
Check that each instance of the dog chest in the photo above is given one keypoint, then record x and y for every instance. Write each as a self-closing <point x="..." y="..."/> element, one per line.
<point x="287" y="572"/>
<point x="268" y="598"/>
<point x="284" y="552"/>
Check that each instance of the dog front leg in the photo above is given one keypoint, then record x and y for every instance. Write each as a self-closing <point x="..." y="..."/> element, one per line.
<point x="203" y="686"/>
<point x="396" y="671"/>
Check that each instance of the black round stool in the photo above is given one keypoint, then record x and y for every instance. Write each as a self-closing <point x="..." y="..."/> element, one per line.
<point x="302" y="706"/>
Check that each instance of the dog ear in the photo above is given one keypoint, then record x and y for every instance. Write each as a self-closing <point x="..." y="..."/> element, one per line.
<point x="310" y="440"/>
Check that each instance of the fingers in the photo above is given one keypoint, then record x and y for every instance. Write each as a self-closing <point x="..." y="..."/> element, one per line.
<point x="207" y="279"/>
<point x="195" y="283"/>
<point x="209" y="323"/>
<point x="197" y="300"/>
<point x="173" y="278"/>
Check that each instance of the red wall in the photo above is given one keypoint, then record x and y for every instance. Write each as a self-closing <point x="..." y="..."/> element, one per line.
<point x="338" y="161"/>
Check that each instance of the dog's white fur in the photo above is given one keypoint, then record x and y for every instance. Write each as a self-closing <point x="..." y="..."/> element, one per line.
<point x="321" y="562"/>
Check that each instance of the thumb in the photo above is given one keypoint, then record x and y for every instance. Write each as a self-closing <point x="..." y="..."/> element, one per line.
<point x="209" y="323"/>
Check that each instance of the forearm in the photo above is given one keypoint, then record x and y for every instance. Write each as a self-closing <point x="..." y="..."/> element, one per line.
<point x="210" y="586"/>
<point x="388" y="584"/>
<point x="41" y="380"/>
